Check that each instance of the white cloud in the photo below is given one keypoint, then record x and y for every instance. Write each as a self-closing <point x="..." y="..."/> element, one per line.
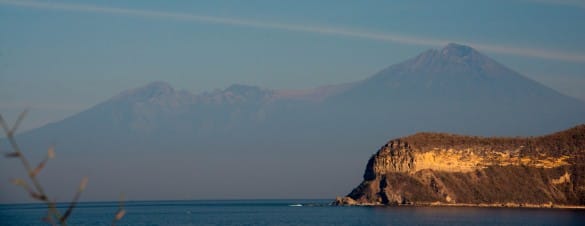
<point x="333" y="31"/>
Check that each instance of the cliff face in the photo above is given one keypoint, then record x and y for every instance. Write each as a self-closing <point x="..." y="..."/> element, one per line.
<point x="445" y="169"/>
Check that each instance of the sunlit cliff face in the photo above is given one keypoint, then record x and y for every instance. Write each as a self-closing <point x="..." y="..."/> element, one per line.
<point x="446" y="169"/>
<point x="404" y="159"/>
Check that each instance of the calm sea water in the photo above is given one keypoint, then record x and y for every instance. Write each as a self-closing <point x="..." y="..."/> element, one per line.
<point x="287" y="212"/>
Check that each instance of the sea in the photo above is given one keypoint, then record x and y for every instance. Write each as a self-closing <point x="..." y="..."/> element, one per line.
<point x="285" y="212"/>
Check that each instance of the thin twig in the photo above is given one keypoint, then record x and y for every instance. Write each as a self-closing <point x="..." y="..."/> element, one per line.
<point x="38" y="191"/>
<point x="37" y="185"/>
<point x="121" y="211"/>
<point x="74" y="202"/>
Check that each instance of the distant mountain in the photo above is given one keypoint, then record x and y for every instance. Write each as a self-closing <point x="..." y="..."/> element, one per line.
<point x="458" y="89"/>
<point x="455" y="89"/>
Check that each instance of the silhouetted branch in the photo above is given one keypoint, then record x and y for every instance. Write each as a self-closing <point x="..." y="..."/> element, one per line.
<point x="75" y="199"/>
<point x="121" y="211"/>
<point x="38" y="191"/>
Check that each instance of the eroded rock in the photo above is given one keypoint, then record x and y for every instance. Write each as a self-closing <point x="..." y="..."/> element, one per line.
<point x="446" y="169"/>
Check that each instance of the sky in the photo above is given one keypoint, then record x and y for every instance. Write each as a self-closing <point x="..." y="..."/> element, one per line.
<point x="58" y="58"/>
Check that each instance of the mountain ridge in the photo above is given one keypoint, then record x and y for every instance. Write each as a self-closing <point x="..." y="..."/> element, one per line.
<point x="262" y="125"/>
<point x="450" y="53"/>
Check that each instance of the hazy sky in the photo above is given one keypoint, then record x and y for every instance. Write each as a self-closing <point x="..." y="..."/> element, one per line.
<point x="60" y="57"/>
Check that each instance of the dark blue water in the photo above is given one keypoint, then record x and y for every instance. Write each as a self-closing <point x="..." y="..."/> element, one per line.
<point x="280" y="212"/>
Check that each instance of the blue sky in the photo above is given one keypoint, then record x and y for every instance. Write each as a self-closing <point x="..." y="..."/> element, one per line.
<point x="60" y="57"/>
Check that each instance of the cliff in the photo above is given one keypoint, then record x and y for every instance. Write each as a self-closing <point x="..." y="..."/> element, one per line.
<point x="447" y="169"/>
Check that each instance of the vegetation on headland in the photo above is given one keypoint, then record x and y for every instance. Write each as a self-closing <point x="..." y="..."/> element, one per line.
<point x="565" y="142"/>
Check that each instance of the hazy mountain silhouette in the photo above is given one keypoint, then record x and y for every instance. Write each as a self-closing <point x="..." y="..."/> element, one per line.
<point x="458" y="89"/>
<point x="316" y="138"/>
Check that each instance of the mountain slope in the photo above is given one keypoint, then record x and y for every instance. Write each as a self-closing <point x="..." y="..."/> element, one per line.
<point x="458" y="89"/>
<point x="455" y="89"/>
<point x="245" y="130"/>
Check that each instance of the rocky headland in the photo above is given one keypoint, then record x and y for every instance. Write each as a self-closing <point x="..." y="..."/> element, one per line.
<point x="438" y="169"/>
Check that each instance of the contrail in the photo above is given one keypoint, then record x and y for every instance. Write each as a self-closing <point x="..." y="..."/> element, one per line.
<point x="334" y="31"/>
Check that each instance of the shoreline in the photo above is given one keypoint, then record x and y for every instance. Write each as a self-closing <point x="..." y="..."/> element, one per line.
<point x="506" y="205"/>
<point x="482" y="205"/>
